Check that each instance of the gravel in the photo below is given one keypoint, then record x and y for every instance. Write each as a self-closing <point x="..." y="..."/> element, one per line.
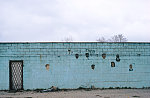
<point x="106" y="93"/>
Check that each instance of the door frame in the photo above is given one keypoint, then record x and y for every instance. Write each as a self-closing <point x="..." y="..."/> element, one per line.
<point x="10" y="75"/>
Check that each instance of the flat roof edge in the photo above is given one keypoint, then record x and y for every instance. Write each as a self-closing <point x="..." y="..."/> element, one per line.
<point x="71" y="42"/>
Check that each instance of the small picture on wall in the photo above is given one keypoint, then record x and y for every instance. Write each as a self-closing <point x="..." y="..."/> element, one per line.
<point x="130" y="67"/>
<point x="112" y="64"/>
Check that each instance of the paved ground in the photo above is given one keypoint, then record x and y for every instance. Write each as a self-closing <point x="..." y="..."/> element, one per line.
<point x="108" y="93"/>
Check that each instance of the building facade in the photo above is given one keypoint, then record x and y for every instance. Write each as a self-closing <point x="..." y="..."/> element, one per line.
<point x="70" y="65"/>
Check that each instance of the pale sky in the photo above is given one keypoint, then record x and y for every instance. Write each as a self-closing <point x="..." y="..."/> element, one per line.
<point x="83" y="20"/>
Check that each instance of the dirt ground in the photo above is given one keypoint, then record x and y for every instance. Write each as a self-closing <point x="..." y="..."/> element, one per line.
<point x="106" y="93"/>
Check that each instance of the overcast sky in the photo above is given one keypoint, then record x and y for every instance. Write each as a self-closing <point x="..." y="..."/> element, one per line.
<point x="83" y="20"/>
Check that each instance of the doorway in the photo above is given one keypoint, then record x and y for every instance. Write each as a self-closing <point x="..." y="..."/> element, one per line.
<point x="16" y="75"/>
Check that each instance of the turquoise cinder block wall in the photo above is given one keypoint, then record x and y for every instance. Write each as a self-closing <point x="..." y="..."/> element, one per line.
<point x="67" y="71"/>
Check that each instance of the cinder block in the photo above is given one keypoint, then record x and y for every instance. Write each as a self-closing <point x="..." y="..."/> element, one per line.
<point x="65" y="67"/>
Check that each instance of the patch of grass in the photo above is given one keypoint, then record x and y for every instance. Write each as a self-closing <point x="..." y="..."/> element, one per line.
<point x="145" y="87"/>
<point x="82" y="88"/>
<point x="28" y="90"/>
<point x="126" y="88"/>
<point x="102" y="88"/>
<point x="117" y="87"/>
<point x="135" y="96"/>
<point x="110" y="88"/>
<point x="38" y="90"/>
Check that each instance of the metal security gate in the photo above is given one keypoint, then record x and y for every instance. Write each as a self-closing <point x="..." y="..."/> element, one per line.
<point x="16" y="75"/>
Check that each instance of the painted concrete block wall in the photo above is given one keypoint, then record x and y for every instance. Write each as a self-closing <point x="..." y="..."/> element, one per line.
<point x="66" y="71"/>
